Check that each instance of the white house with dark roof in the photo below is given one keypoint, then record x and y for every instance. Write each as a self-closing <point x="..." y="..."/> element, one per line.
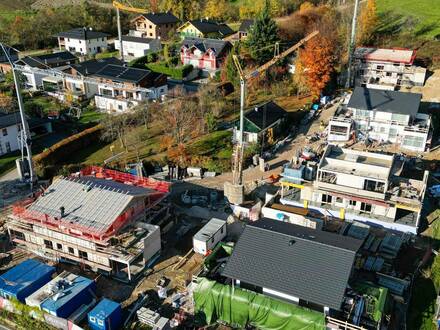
<point x="387" y="68"/>
<point x="382" y="115"/>
<point x="135" y="47"/>
<point x="205" y="28"/>
<point x="35" y="68"/>
<point x="84" y="41"/>
<point x="120" y="87"/>
<point x="10" y="130"/>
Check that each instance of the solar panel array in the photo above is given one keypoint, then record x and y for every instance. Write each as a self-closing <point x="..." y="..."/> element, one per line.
<point x="93" y="204"/>
<point x="122" y="73"/>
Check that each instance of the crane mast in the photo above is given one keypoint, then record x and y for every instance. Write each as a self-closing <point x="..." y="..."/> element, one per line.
<point x="235" y="191"/>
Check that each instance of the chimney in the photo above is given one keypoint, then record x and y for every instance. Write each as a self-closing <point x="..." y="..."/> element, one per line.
<point x="62" y="211"/>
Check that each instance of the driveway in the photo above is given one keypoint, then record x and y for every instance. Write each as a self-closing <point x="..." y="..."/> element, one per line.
<point x="251" y="175"/>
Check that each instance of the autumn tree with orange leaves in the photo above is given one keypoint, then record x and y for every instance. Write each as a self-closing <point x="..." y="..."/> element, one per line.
<point x="315" y="64"/>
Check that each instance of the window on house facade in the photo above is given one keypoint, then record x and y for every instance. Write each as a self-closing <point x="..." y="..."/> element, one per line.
<point x="106" y="92"/>
<point x="376" y="186"/>
<point x="326" y="199"/>
<point x="59" y="246"/>
<point x="352" y="202"/>
<point x="8" y="146"/>
<point x="401" y="119"/>
<point x="393" y="133"/>
<point x="380" y="67"/>
<point x="151" y="26"/>
<point x="388" y="74"/>
<point x="71" y="250"/>
<point x="120" y="107"/>
<point x="82" y="254"/>
<point x="365" y="207"/>
<point x="151" y="34"/>
<point x="5" y="131"/>
<point x="48" y="244"/>
<point x="413" y="141"/>
<point x="339" y="200"/>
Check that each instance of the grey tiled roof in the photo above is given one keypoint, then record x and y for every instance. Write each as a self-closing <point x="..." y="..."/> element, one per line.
<point x="385" y="101"/>
<point x="245" y="25"/>
<point x="203" y="44"/>
<point x="89" y="202"/>
<point x="82" y="34"/>
<point x="309" y="264"/>
<point x="161" y="18"/>
<point x="264" y="115"/>
<point x="210" y="26"/>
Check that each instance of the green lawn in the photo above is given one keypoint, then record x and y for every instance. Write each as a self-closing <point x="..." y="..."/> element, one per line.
<point x="90" y="117"/>
<point x="7" y="162"/>
<point x="107" y="54"/>
<point x="422" y="17"/>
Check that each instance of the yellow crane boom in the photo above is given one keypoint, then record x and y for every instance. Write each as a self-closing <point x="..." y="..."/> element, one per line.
<point x="120" y="6"/>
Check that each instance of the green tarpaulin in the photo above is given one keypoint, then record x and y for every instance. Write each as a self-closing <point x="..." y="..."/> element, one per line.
<point x="238" y="308"/>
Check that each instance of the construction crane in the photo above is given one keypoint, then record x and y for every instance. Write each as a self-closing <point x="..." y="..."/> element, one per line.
<point x="237" y="170"/>
<point x="119" y="6"/>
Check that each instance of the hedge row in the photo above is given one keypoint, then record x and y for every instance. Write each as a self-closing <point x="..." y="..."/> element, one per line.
<point x="174" y="72"/>
<point x="141" y="62"/>
<point x="59" y="152"/>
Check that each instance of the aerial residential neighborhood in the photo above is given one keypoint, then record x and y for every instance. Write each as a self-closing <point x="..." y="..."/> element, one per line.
<point x="219" y="164"/>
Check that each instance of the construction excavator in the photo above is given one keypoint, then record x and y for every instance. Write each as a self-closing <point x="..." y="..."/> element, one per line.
<point x="235" y="192"/>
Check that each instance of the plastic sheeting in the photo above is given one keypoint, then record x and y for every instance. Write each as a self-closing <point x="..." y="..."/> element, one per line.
<point x="238" y="308"/>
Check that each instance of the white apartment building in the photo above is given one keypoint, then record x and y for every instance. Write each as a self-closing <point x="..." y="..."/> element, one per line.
<point x="377" y="189"/>
<point x="121" y="88"/>
<point x="385" y="116"/>
<point x="83" y="41"/>
<point x="135" y="47"/>
<point x="388" y="69"/>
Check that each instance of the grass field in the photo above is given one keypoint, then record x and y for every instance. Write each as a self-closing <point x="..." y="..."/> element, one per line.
<point x="422" y="17"/>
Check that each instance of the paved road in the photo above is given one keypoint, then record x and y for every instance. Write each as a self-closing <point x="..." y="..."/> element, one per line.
<point x="10" y="176"/>
<point x="254" y="174"/>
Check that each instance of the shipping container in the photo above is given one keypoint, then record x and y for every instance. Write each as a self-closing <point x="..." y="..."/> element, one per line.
<point x="66" y="293"/>
<point x="24" y="279"/>
<point x="207" y="238"/>
<point x="107" y="315"/>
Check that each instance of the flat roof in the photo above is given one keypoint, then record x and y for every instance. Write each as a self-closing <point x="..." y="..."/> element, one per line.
<point x="209" y="229"/>
<point x="23" y="275"/>
<point x="88" y="202"/>
<point x="312" y="265"/>
<point x="385" y="101"/>
<point x="62" y="289"/>
<point x="396" y="55"/>
<point x="355" y="162"/>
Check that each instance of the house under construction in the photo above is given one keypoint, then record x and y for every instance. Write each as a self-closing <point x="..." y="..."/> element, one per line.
<point x="100" y="219"/>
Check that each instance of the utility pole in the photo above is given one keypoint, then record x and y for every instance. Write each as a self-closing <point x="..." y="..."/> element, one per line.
<point x="121" y="51"/>
<point x="352" y="43"/>
<point x="25" y="128"/>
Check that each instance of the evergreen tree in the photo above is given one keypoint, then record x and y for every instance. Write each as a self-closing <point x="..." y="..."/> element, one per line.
<point x="263" y="33"/>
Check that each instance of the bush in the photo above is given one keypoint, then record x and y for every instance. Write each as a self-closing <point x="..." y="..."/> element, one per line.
<point x="48" y="162"/>
<point x="175" y="73"/>
<point x="141" y="62"/>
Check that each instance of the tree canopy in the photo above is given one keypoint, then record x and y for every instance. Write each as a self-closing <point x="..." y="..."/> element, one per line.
<point x="262" y="35"/>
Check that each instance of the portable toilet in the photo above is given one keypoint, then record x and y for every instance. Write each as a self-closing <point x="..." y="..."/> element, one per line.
<point x="106" y="315"/>
<point x="24" y="279"/>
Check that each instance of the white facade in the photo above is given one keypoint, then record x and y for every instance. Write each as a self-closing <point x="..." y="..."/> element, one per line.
<point x="387" y="68"/>
<point x="361" y="186"/>
<point x="208" y="237"/>
<point x="134" y="49"/>
<point x="113" y="99"/>
<point x="33" y="78"/>
<point x="9" y="139"/>
<point x="394" y="128"/>
<point x="83" y="47"/>
<point x="78" y="86"/>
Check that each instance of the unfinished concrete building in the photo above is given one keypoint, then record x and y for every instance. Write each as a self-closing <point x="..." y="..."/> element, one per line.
<point x="378" y="189"/>
<point x="99" y="219"/>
